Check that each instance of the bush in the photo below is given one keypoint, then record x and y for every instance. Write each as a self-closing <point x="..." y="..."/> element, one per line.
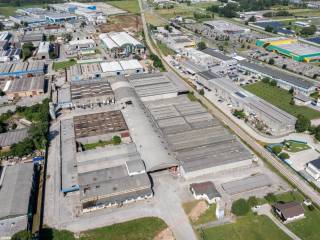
<point x="284" y="156"/>
<point x="240" y="207"/>
<point x="271" y="198"/>
<point x="116" y="140"/>
<point x="273" y="83"/>
<point x="302" y="124"/>
<point x="271" y="61"/>
<point x="253" y="201"/>
<point x="22" y="235"/>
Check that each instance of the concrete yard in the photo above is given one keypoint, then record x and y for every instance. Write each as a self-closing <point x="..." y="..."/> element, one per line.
<point x="247" y="184"/>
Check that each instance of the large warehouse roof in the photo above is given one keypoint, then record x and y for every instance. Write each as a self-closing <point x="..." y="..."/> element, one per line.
<point x="15" y="190"/>
<point x="27" y="84"/>
<point x="118" y="40"/>
<point x="197" y="138"/>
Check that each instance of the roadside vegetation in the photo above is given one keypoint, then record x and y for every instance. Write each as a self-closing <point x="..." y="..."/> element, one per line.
<point x="164" y="49"/>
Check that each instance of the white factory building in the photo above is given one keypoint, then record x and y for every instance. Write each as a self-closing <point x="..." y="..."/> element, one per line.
<point x="121" y="43"/>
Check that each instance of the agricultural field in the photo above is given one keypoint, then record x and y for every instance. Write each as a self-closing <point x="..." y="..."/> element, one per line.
<point x="139" y="229"/>
<point x="280" y="98"/>
<point x="250" y="227"/>
<point x="132" y="6"/>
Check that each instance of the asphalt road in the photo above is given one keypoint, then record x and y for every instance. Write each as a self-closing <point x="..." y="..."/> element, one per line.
<point x="294" y="179"/>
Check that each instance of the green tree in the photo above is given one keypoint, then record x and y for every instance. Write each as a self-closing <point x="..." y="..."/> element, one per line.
<point x="1" y="26"/>
<point x="302" y="124"/>
<point x="271" y="61"/>
<point x="201" y="45"/>
<point x="269" y="28"/>
<point x="252" y="19"/>
<point x="276" y="149"/>
<point x="201" y="92"/>
<point x="291" y="90"/>
<point x="27" y="50"/>
<point x="240" y="207"/>
<point x="308" y="30"/>
<point x="52" y="38"/>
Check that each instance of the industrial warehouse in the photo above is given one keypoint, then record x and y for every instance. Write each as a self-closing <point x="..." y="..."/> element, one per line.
<point x="292" y="48"/>
<point x="121" y="43"/>
<point x="278" y="121"/>
<point x="16" y="198"/>
<point x="85" y="94"/>
<point x="25" y="87"/>
<point x="21" y="69"/>
<point x="98" y="70"/>
<point x="190" y="138"/>
<point x="199" y="141"/>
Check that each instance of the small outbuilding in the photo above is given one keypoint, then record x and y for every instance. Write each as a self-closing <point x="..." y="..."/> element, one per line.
<point x="206" y="191"/>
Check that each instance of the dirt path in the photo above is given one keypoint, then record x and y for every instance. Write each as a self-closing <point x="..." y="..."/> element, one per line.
<point x="165" y="234"/>
<point x="198" y="210"/>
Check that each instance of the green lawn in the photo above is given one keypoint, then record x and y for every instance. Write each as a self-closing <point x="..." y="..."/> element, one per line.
<point x="164" y="49"/>
<point x="250" y="227"/>
<point x="65" y="64"/>
<point x="139" y="229"/>
<point x="131" y="6"/>
<point x="280" y="98"/>
<point x="7" y="9"/>
<point x="292" y="146"/>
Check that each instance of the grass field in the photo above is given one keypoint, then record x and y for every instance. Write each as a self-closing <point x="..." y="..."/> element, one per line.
<point x="65" y="64"/>
<point x="280" y="98"/>
<point x="131" y="6"/>
<point x="249" y="227"/>
<point x="292" y="146"/>
<point x="95" y="145"/>
<point x="139" y="229"/>
<point x="9" y="10"/>
<point x="154" y="20"/>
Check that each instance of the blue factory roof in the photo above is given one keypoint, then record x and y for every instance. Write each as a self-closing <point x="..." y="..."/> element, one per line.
<point x="21" y="68"/>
